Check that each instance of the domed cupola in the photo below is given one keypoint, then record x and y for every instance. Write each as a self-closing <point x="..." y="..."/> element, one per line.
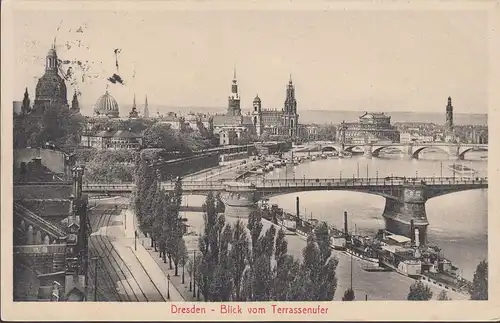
<point x="51" y="86"/>
<point x="107" y="106"/>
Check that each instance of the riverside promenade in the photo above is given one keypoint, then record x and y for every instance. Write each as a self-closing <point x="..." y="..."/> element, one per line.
<point x="150" y="259"/>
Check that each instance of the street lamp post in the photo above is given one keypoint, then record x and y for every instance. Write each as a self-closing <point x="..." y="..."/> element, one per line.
<point x="357" y="174"/>
<point x="183" y="271"/>
<point x="168" y="286"/>
<point x="135" y="240"/>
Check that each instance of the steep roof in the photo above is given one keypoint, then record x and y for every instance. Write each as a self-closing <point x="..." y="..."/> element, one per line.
<point x="126" y="134"/>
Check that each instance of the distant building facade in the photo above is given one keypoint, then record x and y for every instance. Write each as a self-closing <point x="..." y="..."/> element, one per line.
<point x="112" y="139"/>
<point x="282" y="124"/>
<point x="371" y="127"/>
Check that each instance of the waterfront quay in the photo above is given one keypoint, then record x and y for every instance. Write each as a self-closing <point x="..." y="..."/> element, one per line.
<point x="374" y="285"/>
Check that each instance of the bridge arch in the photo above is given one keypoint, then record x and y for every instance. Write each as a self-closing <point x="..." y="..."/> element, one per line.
<point x="349" y="148"/>
<point x="466" y="150"/>
<point x="416" y="152"/>
<point x="378" y="150"/>
<point x="329" y="148"/>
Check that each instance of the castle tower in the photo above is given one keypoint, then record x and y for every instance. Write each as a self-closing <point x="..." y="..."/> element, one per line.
<point x="146" y="109"/>
<point x="257" y="116"/>
<point x="449" y="115"/>
<point x="290" y="116"/>
<point x="233" y="108"/>
<point x="75" y="106"/>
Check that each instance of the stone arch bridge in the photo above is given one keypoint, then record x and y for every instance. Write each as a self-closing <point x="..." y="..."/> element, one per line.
<point x="410" y="150"/>
<point x="405" y="198"/>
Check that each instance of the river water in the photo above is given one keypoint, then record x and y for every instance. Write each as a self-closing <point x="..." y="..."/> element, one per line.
<point x="458" y="221"/>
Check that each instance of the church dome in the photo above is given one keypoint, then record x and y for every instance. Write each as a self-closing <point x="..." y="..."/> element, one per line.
<point x="51" y="86"/>
<point x="106" y="105"/>
<point x="257" y="99"/>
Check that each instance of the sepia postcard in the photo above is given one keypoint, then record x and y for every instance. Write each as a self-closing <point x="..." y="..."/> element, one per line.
<point x="250" y="160"/>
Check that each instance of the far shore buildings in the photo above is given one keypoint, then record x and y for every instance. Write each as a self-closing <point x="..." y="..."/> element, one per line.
<point x="371" y="127"/>
<point x="232" y="126"/>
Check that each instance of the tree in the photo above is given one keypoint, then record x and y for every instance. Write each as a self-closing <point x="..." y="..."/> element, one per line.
<point x="221" y="287"/>
<point x="311" y="266"/>
<point x="479" y="288"/>
<point x="443" y="296"/>
<point x="54" y="123"/>
<point x="348" y="295"/>
<point x="110" y="167"/>
<point x="254" y="225"/>
<point x="266" y="242"/>
<point x="419" y="292"/>
<point x="239" y="256"/>
<point x="208" y="245"/>
<point x="262" y="278"/>
<point x="160" y="135"/>
<point x="281" y="248"/>
<point x="286" y="272"/>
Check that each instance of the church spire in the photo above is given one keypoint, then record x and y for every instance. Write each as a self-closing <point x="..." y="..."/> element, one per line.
<point x="146" y="109"/>
<point x="26" y="102"/>
<point x="75" y="106"/>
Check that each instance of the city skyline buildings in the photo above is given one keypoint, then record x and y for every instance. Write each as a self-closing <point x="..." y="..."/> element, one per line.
<point x="193" y="70"/>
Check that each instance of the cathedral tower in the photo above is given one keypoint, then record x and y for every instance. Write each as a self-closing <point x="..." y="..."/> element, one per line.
<point x="257" y="116"/>
<point x="233" y="108"/>
<point x="290" y="116"/>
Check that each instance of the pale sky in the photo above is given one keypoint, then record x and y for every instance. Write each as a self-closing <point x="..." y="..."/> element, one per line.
<point x="339" y="60"/>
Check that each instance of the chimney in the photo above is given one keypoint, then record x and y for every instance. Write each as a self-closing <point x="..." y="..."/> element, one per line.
<point x="412" y="232"/>
<point x="77" y="182"/>
<point x="345" y="224"/>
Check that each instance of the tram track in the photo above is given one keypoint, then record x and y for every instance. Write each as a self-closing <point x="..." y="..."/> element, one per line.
<point x="118" y="269"/>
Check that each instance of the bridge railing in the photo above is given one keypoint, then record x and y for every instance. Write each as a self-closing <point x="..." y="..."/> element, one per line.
<point x="367" y="182"/>
<point x="304" y="182"/>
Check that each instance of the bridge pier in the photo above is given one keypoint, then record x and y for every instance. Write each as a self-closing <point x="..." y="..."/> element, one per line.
<point x="368" y="151"/>
<point x="401" y="210"/>
<point x="239" y="199"/>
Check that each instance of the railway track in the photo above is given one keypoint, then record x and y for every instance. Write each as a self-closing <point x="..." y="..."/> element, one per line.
<point x="116" y="268"/>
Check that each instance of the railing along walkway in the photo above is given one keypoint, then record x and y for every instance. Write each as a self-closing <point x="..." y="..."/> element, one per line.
<point x="304" y="182"/>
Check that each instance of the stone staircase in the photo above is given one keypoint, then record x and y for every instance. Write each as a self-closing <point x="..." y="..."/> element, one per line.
<point x="31" y="217"/>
